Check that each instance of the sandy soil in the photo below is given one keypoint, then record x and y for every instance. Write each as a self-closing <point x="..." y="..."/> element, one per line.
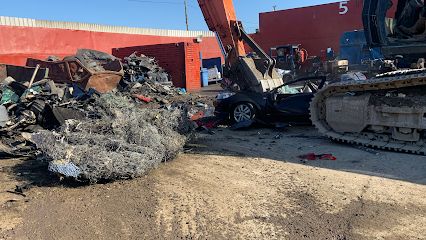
<point x="231" y="185"/>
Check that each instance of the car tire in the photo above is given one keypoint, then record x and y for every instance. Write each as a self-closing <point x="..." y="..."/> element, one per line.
<point x="242" y="112"/>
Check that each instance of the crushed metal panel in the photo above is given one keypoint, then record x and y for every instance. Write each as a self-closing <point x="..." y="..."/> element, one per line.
<point x="97" y="61"/>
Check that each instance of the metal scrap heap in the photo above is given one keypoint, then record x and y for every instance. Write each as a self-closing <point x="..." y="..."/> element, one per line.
<point x="91" y="136"/>
<point x="142" y="68"/>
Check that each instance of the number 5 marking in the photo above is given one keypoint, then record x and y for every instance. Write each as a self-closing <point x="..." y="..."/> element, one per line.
<point x="343" y="8"/>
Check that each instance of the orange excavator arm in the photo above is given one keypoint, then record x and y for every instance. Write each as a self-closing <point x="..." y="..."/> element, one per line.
<point x="249" y="73"/>
<point x="221" y="18"/>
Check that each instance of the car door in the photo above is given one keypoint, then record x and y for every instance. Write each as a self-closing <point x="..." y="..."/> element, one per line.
<point x="293" y="107"/>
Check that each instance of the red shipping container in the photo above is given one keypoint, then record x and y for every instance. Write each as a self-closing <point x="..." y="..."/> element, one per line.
<point x="180" y="60"/>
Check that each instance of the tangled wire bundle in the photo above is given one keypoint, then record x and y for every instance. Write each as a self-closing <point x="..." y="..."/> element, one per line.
<point x="125" y="142"/>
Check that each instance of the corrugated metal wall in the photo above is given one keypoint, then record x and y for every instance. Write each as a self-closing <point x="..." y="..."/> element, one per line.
<point x="27" y="22"/>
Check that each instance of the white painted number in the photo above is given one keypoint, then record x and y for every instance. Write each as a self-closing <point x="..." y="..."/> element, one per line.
<point x="343" y="8"/>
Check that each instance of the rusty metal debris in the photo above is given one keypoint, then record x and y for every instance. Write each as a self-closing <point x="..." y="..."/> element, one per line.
<point x="88" y="69"/>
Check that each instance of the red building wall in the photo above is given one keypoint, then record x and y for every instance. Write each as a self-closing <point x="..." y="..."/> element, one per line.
<point x="315" y="27"/>
<point x="19" y="43"/>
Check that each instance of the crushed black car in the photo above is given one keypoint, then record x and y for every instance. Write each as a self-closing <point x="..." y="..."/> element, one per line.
<point x="288" y="103"/>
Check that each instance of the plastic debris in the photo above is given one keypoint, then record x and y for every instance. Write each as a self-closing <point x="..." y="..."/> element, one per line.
<point x="313" y="157"/>
<point x="65" y="168"/>
<point x="8" y="97"/>
<point x="142" y="98"/>
<point x="209" y="122"/>
<point x="4" y="116"/>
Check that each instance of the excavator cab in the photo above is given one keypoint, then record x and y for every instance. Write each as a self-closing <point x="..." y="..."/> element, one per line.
<point x="398" y="27"/>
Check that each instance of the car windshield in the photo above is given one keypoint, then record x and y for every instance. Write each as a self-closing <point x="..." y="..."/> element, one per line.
<point x="286" y="89"/>
<point x="303" y="85"/>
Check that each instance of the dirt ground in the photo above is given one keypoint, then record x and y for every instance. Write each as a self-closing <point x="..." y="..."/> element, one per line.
<point x="230" y="185"/>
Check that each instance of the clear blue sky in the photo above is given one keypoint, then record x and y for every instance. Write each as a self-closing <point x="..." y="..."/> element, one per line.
<point x="165" y="14"/>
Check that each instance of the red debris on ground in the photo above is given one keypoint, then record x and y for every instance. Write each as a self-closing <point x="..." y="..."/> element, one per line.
<point x="314" y="157"/>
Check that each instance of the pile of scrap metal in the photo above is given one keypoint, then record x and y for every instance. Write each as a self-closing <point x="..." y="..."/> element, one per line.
<point x="44" y="94"/>
<point x="159" y="95"/>
<point x="29" y="105"/>
<point x="57" y="111"/>
<point x="87" y="69"/>
<point x="142" y="68"/>
<point x="156" y="95"/>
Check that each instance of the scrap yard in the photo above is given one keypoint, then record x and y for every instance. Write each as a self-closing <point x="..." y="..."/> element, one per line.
<point x="309" y="132"/>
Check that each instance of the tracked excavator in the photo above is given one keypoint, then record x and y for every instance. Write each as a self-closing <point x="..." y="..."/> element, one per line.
<point x="254" y="73"/>
<point x="389" y="110"/>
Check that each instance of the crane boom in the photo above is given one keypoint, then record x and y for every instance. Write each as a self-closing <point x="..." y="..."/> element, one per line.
<point x="219" y="16"/>
<point x="255" y="73"/>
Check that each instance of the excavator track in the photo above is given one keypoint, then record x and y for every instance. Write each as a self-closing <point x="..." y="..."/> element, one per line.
<point x="388" y="82"/>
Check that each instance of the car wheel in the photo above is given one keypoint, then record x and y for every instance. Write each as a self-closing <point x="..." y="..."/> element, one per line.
<point x="243" y="112"/>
